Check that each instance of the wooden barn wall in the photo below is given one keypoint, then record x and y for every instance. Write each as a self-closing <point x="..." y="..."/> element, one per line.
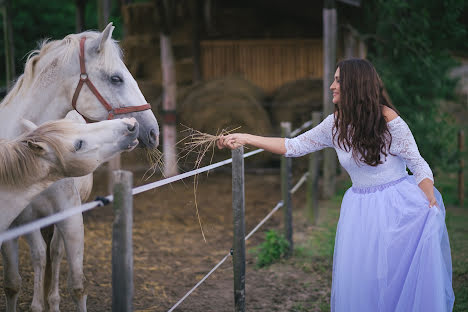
<point x="267" y="63"/>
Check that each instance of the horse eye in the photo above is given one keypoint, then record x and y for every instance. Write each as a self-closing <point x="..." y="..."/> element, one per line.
<point x="78" y="145"/>
<point x="116" y="79"/>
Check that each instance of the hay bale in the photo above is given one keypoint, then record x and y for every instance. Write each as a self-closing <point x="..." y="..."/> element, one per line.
<point x="216" y="104"/>
<point x="224" y="103"/>
<point x="295" y="101"/>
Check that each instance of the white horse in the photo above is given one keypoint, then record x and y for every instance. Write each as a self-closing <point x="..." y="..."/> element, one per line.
<point x="83" y="72"/>
<point x="57" y="149"/>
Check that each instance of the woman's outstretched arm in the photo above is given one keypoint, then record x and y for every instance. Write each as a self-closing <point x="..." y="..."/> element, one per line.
<point x="235" y="140"/>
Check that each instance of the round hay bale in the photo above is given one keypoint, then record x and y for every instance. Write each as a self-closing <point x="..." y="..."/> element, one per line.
<point x="220" y="104"/>
<point x="295" y="101"/>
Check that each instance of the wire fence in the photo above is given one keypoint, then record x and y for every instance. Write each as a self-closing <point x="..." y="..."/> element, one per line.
<point x="101" y="201"/>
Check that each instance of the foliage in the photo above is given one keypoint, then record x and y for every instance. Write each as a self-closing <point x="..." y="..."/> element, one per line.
<point x="409" y="43"/>
<point x="272" y="249"/>
<point x="47" y="19"/>
<point x="457" y="226"/>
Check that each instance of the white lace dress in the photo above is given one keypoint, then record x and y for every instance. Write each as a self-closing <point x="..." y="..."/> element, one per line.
<point x="392" y="251"/>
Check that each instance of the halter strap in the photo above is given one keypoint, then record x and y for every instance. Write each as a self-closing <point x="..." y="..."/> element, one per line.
<point x="84" y="79"/>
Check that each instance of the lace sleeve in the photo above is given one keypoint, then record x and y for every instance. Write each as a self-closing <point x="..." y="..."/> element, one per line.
<point x="313" y="140"/>
<point x="404" y="145"/>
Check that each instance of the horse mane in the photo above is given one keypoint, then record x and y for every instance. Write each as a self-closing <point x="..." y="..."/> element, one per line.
<point x="61" y="52"/>
<point x="19" y="164"/>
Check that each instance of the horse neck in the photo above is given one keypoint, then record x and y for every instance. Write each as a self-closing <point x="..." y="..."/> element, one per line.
<point x="37" y="104"/>
<point x="32" y="177"/>
<point x="15" y="199"/>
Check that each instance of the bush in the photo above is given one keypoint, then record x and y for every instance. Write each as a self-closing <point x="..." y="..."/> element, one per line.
<point x="273" y="249"/>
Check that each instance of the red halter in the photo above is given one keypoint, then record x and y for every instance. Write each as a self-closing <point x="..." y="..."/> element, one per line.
<point x="84" y="79"/>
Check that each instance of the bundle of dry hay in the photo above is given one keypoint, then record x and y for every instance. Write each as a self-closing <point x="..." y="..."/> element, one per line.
<point x="295" y="101"/>
<point x="220" y="104"/>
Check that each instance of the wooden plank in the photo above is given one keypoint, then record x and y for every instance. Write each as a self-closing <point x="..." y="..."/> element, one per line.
<point x="238" y="209"/>
<point x="122" y="250"/>
<point x="267" y="63"/>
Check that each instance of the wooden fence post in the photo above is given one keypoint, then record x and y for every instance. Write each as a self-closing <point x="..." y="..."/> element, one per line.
<point x="286" y="175"/>
<point x="113" y="165"/>
<point x="238" y="208"/>
<point x="122" y="253"/>
<point x="461" y="180"/>
<point x="312" y="179"/>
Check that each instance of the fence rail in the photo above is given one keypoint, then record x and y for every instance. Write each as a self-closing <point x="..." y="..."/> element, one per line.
<point x="122" y="254"/>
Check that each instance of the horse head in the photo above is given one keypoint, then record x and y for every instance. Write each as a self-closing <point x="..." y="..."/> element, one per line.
<point x="106" y="89"/>
<point x="72" y="148"/>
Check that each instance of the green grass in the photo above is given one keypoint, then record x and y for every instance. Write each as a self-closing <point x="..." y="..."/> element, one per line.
<point x="457" y="225"/>
<point x="271" y="250"/>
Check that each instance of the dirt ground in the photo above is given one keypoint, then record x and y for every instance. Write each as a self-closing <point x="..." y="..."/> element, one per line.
<point x="170" y="256"/>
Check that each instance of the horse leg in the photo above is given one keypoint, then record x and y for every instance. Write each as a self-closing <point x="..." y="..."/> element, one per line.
<point x="11" y="276"/>
<point x="72" y="231"/>
<point x="53" y="271"/>
<point x="38" y="250"/>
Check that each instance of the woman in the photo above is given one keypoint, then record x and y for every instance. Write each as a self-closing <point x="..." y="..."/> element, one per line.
<point x="392" y="251"/>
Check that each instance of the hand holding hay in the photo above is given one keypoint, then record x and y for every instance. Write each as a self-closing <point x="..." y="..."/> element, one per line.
<point x="200" y="143"/>
<point x="232" y="141"/>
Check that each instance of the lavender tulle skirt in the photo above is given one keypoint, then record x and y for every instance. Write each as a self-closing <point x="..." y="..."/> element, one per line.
<point x="392" y="252"/>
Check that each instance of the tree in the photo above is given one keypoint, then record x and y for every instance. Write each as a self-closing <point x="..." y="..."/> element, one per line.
<point x="410" y="43"/>
<point x="80" y="15"/>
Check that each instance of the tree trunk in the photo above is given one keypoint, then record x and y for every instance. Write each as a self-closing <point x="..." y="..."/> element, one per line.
<point x="122" y="4"/>
<point x="9" y="47"/>
<point x="349" y="45"/>
<point x="104" y="8"/>
<point x="196" y="7"/>
<point x="169" y="106"/>
<point x="80" y="15"/>
<point x="208" y="15"/>
<point x="329" y="60"/>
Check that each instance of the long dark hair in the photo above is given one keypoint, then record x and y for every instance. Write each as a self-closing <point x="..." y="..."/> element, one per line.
<point x="360" y="125"/>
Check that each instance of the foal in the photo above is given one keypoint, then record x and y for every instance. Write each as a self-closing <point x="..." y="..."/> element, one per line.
<point x="53" y="151"/>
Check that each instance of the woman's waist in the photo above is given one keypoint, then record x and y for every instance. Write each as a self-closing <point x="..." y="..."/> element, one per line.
<point x="374" y="185"/>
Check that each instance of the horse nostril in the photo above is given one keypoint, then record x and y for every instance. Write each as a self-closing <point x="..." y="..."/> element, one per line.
<point x="153" y="138"/>
<point x="131" y="128"/>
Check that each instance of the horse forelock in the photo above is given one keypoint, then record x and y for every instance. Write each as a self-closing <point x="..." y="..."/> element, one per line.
<point x="19" y="164"/>
<point x="61" y="52"/>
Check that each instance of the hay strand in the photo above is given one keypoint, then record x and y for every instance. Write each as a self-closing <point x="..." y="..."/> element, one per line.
<point x="155" y="158"/>
<point x="200" y="143"/>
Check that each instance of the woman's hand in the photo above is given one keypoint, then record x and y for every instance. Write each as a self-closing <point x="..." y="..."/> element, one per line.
<point x="232" y="141"/>
<point x="427" y="186"/>
<point x="433" y="202"/>
<point x="235" y="140"/>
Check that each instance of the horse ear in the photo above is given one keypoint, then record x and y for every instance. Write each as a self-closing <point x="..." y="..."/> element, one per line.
<point x="75" y="116"/>
<point x="39" y="148"/>
<point x="28" y="125"/>
<point x="104" y="36"/>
